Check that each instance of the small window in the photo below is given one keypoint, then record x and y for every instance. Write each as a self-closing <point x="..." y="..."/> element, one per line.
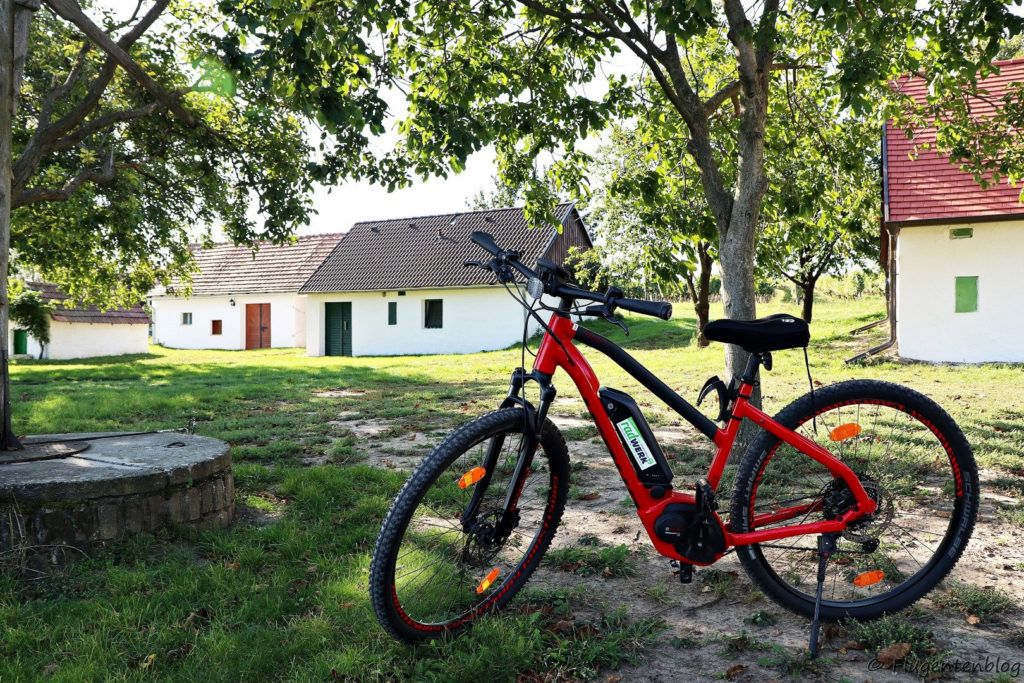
<point x="967" y="294"/>
<point x="961" y="233"/>
<point x="186" y="318"/>
<point x="216" y="327"/>
<point x="432" y="313"/>
<point x="392" y="313"/>
<point x="401" y="294"/>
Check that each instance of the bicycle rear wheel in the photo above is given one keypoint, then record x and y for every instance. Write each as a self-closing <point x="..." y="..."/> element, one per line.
<point x="911" y="458"/>
<point x="434" y="572"/>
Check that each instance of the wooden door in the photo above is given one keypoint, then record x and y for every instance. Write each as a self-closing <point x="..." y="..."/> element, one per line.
<point x="257" y="326"/>
<point x="338" y="329"/>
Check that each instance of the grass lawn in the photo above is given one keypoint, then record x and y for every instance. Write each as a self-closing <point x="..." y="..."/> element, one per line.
<point x="282" y="595"/>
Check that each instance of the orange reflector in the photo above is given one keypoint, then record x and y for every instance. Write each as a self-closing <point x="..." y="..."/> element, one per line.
<point x="845" y="431"/>
<point x="472" y="477"/>
<point x="868" y="578"/>
<point x="488" y="580"/>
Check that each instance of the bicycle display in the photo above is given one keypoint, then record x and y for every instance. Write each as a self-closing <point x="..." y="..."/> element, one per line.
<point x="853" y="502"/>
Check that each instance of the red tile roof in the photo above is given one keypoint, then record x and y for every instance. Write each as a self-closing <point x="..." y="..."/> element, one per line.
<point x="62" y="313"/>
<point x="428" y="251"/>
<point x="929" y="186"/>
<point x="226" y="269"/>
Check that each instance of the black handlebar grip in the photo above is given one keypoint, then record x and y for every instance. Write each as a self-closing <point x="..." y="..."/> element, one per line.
<point x="657" y="309"/>
<point x="485" y="241"/>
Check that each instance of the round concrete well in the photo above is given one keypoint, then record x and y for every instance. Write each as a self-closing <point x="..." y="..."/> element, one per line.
<point x="53" y="509"/>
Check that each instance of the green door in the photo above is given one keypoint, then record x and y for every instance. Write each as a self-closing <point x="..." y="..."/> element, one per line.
<point x="20" y="342"/>
<point x="338" y="324"/>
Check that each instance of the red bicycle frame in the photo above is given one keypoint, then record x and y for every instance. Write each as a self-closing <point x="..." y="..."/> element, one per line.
<point x="558" y="351"/>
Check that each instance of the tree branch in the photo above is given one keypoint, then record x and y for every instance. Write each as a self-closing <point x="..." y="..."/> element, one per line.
<point x="100" y="176"/>
<point x="70" y="10"/>
<point x="46" y="133"/>
<point x="99" y="124"/>
<point x="712" y="104"/>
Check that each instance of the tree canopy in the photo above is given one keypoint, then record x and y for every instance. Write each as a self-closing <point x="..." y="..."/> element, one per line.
<point x="110" y="186"/>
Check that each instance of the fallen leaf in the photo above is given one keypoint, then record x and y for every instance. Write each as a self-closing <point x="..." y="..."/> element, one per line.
<point x="612" y="678"/>
<point x="306" y="554"/>
<point x="590" y="496"/>
<point x="972" y="619"/>
<point x="608" y="572"/>
<point x="148" y="661"/>
<point x="234" y="566"/>
<point x="734" y="671"/>
<point x="560" y="626"/>
<point x="312" y="569"/>
<point x="569" y="567"/>
<point x="347" y="605"/>
<point x="892" y="654"/>
<point x="334" y="673"/>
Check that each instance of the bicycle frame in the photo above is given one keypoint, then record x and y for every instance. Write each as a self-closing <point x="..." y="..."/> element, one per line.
<point x="557" y="350"/>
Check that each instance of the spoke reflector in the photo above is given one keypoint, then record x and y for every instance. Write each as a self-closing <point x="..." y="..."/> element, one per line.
<point x="845" y="431"/>
<point x="488" y="580"/>
<point x="472" y="477"/>
<point x="868" y="578"/>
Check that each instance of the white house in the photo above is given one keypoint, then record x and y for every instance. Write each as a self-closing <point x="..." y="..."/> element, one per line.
<point x="241" y="300"/>
<point x="958" y="248"/>
<point x="83" y="331"/>
<point x="399" y="286"/>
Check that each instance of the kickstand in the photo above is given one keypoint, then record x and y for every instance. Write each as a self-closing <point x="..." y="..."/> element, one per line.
<point x="826" y="546"/>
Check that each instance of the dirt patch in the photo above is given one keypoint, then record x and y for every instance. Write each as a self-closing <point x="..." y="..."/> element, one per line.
<point x="339" y="393"/>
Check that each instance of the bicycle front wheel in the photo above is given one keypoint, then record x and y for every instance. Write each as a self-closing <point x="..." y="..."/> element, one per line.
<point x="442" y="559"/>
<point x="911" y="458"/>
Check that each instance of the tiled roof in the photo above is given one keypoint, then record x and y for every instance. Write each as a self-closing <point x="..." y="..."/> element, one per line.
<point x="426" y="251"/>
<point x="930" y="187"/>
<point x="226" y="269"/>
<point x="135" y="315"/>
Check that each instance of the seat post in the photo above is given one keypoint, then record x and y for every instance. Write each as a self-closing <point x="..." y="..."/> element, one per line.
<point x="753" y="365"/>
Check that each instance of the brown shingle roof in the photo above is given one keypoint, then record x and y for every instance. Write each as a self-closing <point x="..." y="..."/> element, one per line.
<point x="275" y="268"/>
<point x="426" y="251"/>
<point x="62" y="313"/>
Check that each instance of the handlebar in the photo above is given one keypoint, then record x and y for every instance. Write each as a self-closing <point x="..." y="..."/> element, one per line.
<point x="553" y="284"/>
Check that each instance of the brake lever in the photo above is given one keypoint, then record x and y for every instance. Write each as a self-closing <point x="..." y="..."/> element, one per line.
<point x="608" y="315"/>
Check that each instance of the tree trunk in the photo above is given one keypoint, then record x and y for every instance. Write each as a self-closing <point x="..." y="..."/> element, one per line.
<point x="700" y="302"/>
<point x="7" y="79"/>
<point x="15" y="18"/>
<point x="807" y="289"/>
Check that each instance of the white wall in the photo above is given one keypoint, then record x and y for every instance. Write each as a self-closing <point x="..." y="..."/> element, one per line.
<point x="287" y="321"/>
<point x="928" y="261"/>
<point x="474" y="319"/>
<point x="88" y="340"/>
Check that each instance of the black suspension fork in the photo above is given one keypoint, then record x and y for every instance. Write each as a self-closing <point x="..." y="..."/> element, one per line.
<point x="533" y="422"/>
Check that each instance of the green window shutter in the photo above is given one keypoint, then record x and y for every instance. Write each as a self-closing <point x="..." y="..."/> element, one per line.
<point x="392" y="313"/>
<point x="967" y="294"/>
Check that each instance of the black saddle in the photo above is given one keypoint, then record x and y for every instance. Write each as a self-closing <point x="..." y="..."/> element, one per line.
<point x="779" y="331"/>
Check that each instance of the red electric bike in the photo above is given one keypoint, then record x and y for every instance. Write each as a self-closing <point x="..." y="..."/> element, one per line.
<point x="853" y="502"/>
